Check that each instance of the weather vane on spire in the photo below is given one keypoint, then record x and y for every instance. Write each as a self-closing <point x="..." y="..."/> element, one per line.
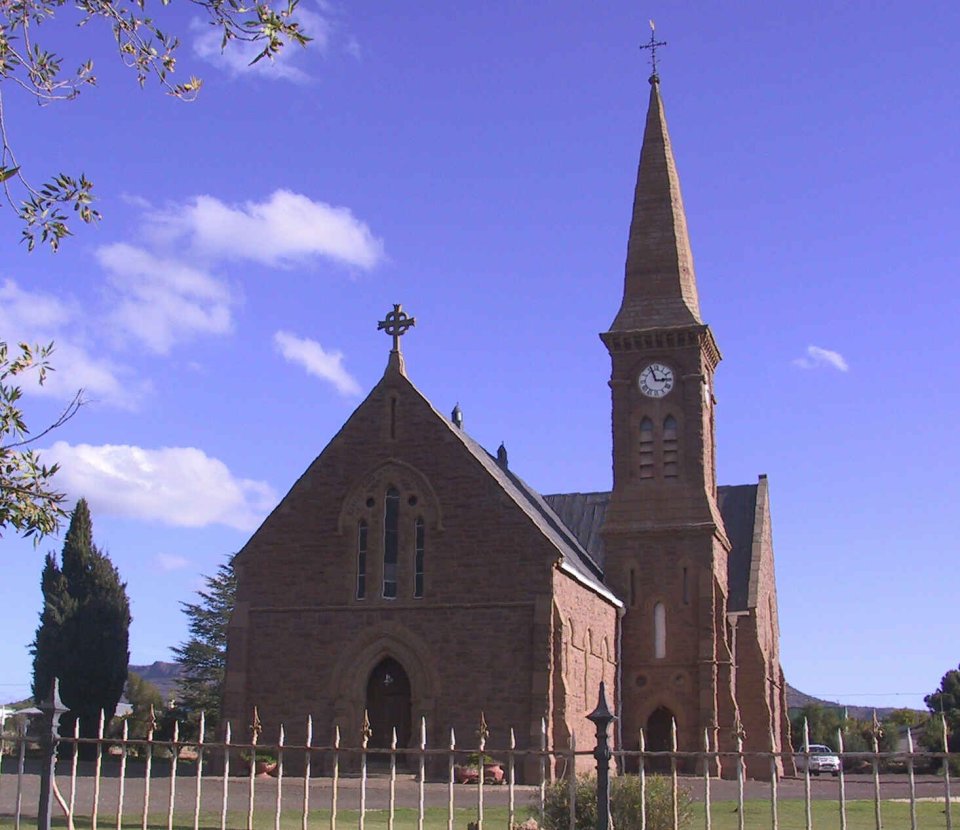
<point x="652" y="46"/>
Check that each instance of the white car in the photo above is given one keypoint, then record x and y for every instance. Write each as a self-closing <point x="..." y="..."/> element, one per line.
<point x="822" y="759"/>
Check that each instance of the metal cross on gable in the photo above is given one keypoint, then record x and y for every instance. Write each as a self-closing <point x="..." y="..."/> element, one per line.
<point x="396" y="324"/>
<point x="652" y="46"/>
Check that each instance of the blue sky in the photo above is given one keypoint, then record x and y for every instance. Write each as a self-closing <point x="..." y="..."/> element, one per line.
<point x="476" y="162"/>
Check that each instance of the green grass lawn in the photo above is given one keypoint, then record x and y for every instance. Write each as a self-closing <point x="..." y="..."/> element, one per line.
<point x="826" y="816"/>
<point x="435" y="818"/>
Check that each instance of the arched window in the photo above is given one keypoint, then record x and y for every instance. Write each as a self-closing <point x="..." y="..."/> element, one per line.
<point x="418" y="558"/>
<point x="391" y="542"/>
<point x="659" y="631"/>
<point x="361" y="559"/>
<point x="670" y="442"/>
<point x="646" y="448"/>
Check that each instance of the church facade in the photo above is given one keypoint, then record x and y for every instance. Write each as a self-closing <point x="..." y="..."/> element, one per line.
<point x="409" y="573"/>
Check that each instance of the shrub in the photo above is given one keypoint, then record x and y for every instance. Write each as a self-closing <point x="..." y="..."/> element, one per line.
<point x="625" y="791"/>
<point x="556" y="805"/>
<point x="473" y="759"/>
<point x="625" y="803"/>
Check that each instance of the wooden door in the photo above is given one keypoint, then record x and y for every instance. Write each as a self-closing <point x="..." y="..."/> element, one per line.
<point x="388" y="704"/>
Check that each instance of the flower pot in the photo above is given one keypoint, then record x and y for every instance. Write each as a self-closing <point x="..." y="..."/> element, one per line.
<point x="465" y="774"/>
<point x="264" y="769"/>
<point x="492" y="774"/>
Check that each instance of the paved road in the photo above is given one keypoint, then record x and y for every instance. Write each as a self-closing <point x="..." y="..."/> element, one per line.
<point x="407" y="792"/>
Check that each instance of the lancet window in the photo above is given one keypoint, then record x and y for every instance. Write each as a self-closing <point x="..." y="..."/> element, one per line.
<point x="420" y="534"/>
<point x="659" y="631"/>
<point x="670" y="447"/>
<point x="361" y="559"/>
<point x="646" y="448"/>
<point x="391" y="542"/>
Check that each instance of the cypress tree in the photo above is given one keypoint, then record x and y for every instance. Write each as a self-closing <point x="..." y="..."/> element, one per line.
<point x="84" y="629"/>
<point x="58" y="608"/>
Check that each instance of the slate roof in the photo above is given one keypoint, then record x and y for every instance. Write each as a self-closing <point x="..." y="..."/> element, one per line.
<point x="575" y="556"/>
<point x="738" y="506"/>
<point x="583" y="514"/>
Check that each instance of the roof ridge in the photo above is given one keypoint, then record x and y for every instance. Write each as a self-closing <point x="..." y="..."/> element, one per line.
<point x="533" y="506"/>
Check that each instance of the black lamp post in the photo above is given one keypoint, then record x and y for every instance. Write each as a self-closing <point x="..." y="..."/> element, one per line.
<point x="602" y="717"/>
<point x="52" y="709"/>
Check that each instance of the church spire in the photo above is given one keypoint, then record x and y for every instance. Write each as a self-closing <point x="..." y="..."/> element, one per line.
<point x="660" y="288"/>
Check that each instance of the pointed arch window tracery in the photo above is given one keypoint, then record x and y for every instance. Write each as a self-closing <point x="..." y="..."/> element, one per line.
<point x="386" y="519"/>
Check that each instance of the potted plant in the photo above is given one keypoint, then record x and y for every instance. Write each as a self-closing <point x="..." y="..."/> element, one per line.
<point x="264" y="762"/>
<point x="469" y="773"/>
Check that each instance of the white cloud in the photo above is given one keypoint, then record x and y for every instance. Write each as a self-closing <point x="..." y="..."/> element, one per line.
<point x="286" y="228"/>
<point x="817" y="358"/>
<point x="34" y="317"/>
<point x="32" y="311"/>
<point x="236" y="59"/>
<point x="353" y="48"/>
<point x="169" y="562"/>
<point x="102" y="380"/>
<point x="179" y="486"/>
<point x="311" y="356"/>
<point x="163" y="301"/>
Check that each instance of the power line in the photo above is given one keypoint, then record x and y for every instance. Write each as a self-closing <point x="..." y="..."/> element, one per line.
<point x="857" y="697"/>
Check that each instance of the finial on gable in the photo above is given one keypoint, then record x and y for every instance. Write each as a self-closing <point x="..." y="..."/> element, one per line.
<point x="502" y="456"/>
<point x="395" y="324"/>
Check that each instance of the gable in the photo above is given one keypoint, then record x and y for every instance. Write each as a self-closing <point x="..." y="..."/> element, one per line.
<point x="475" y="509"/>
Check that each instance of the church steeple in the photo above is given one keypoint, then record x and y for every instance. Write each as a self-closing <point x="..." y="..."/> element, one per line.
<point x="663" y="355"/>
<point x="666" y="548"/>
<point x="660" y="289"/>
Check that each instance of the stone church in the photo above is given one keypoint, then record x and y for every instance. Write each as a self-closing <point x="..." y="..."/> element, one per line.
<point x="409" y="572"/>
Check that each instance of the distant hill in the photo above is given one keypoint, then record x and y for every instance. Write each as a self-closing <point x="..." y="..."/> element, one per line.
<point x="162" y="675"/>
<point x="797" y="700"/>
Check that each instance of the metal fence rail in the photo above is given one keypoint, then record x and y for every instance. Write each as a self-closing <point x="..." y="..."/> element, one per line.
<point x="152" y="783"/>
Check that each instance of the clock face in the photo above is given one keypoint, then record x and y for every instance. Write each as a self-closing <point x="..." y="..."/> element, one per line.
<point x="656" y="380"/>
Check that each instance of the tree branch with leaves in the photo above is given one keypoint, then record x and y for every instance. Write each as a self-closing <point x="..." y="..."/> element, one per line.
<point x="29" y="503"/>
<point x="29" y="68"/>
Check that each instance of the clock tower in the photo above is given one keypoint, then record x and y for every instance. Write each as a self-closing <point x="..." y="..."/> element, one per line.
<point x="665" y="545"/>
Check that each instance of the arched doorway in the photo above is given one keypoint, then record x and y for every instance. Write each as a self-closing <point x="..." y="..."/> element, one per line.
<point x="658" y="735"/>
<point x="388" y="704"/>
